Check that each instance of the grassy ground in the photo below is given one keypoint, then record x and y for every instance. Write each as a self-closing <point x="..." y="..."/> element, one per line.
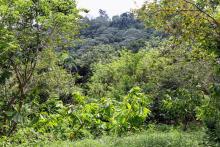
<point x="150" y="138"/>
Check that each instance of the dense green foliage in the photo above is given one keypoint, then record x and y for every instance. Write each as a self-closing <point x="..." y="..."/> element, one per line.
<point x="102" y="39"/>
<point x="194" y="23"/>
<point x="84" y="119"/>
<point x="66" y="77"/>
<point x="27" y="28"/>
<point x="177" y="81"/>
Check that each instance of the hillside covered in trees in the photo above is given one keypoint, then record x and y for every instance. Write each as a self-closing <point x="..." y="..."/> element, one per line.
<point x="150" y="77"/>
<point x="102" y="38"/>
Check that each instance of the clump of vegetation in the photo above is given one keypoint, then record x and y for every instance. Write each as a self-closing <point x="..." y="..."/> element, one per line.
<point x="153" y="137"/>
<point x="193" y="23"/>
<point x="177" y="81"/>
<point x="85" y="119"/>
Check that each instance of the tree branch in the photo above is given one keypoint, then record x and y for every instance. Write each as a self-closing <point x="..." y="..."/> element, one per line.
<point x="200" y="9"/>
<point x="17" y="73"/>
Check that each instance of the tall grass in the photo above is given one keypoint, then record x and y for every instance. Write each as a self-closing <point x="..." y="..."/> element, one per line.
<point x="150" y="138"/>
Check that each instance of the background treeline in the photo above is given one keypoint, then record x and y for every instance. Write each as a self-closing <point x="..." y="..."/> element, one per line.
<point x="102" y="38"/>
<point x="65" y="77"/>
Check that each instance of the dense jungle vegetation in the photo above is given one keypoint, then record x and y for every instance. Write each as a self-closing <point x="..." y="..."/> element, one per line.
<point x="150" y="77"/>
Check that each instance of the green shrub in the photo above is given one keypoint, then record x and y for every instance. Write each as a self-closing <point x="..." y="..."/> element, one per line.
<point x="177" y="80"/>
<point x="210" y="114"/>
<point x="86" y="119"/>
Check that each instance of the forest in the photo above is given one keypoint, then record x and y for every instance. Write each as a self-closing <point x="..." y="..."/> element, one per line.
<point x="149" y="77"/>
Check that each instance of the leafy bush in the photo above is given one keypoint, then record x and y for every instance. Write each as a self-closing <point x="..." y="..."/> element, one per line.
<point x="177" y="80"/>
<point x="85" y="119"/>
<point x="210" y="114"/>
